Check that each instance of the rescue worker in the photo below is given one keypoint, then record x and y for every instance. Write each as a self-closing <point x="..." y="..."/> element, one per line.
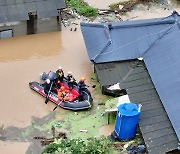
<point x="60" y="74"/>
<point x="63" y="94"/>
<point x="82" y="87"/>
<point x="71" y="80"/>
<point x="47" y="86"/>
<point x="47" y="89"/>
<point x="81" y="84"/>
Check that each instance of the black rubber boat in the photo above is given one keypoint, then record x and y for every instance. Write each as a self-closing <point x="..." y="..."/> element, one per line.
<point x="82" y="102"/>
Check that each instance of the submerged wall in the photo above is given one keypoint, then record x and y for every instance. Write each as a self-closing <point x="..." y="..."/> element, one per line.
<point x="33" y="26"/>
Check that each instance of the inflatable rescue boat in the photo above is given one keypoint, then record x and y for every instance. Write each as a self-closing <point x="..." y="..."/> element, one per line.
<point x="77" y="101"/>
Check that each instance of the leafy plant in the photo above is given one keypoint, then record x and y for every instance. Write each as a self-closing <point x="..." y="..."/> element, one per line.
<point x="82" y="8"/>
<point x="78" y="146"/>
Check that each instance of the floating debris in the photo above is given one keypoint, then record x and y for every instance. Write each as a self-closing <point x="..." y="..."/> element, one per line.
<point x="83" y="130"/>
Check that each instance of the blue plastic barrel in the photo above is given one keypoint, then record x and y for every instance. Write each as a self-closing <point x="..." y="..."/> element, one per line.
<point x="126" y="121"/>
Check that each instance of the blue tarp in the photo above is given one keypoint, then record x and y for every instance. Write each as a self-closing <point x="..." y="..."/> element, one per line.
<point x="156" y="40"/>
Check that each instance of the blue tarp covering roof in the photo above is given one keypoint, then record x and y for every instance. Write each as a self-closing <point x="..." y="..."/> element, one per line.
<point x="156" y="40"/>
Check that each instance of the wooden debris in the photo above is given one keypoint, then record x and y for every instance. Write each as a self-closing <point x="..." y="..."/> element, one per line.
<point x="46" y="141"/>
<point x="50" y="140"/>
<point x="105" y="11"/>
<point x="67" y="13"/>
<point x="53" y="130"/>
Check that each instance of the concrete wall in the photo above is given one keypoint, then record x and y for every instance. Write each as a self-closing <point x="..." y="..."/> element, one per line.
<point x="33" y="26"/>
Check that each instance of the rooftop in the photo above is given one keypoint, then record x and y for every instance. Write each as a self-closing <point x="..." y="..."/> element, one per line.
<point x="17" y="10"/>
<point x="154" y="123"/>
<point x="156" y="41"/>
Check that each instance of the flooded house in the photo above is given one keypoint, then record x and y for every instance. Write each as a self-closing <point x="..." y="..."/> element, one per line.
<point x="23" y="17"/>
<point x="143" y="56"/>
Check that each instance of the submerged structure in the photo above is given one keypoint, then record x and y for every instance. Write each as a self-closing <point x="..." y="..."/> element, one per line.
<point x="153" y="80"/>
<point x="22" y="17"/>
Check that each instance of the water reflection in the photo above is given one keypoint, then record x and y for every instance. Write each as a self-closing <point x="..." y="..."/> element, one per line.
<point x="31" y="46"/>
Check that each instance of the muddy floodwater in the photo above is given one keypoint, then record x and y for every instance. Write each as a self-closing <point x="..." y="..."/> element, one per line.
<point x="22" y="59"/>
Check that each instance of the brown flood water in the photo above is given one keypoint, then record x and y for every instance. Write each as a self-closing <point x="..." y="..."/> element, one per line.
<point x="13" y="147"/>
<point x="106" y="130"/>
<point x="22" y="59"/>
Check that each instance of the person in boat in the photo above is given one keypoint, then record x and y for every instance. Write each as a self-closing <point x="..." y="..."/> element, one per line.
<point x="47" y="86"/>
<point x="82" y="87"/>
<point x="60" y="74"/>
<point x="81" y="84"/>
<point x="71" y="80"/>
<point x="63" y="94"/>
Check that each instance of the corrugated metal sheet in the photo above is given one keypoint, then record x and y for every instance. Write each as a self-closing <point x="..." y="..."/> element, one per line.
<point x="16" y="10"/>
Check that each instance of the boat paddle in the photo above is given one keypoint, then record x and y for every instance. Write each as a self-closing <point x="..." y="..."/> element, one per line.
<point x="57" y="105"/>
<point x="47" y="97"/>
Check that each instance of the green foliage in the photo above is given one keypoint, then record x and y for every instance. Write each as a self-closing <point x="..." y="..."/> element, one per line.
<point x="82" y="8"/>
<point x="87" y="11"/>
<point x="51" y="148"/>
<point x="78" y="146"/>
<point x="93" y="76"/>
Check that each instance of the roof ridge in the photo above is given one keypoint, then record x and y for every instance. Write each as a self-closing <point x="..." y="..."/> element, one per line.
<point x="159" y="39"/>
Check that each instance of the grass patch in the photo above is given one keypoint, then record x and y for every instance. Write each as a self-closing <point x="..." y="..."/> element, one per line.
<point x="93" y="76"/>
<point x="82" y="8"/>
